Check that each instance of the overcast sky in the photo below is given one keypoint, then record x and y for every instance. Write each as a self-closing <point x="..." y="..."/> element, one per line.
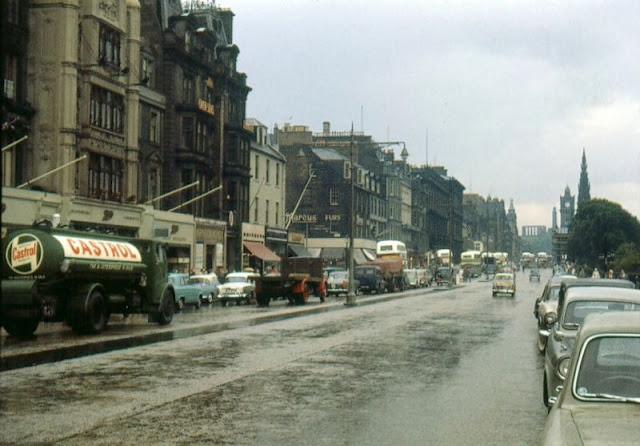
<point x="504" y="94"/>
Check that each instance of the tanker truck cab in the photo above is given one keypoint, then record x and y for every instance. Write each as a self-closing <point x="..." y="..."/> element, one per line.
<point x="61" y="275"/>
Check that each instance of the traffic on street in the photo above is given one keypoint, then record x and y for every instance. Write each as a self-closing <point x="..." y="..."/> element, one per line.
<point x="437" y="365"/>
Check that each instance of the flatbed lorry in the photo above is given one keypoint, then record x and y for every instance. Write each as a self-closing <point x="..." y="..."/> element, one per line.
<point x="298" y="278"/>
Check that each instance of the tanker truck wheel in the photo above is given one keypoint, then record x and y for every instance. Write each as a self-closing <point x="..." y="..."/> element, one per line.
<point x="20" y="327"/>
<point x="96" y="313"/>
<point x="94" y="317"/>
<point x="167" y="306"/>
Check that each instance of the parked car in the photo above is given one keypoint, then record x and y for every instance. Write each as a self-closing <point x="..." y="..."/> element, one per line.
<point x="599" y="403"/>
<point x="238" y="287"/>
<point x="209" y="285"/>
<point x="575" y="302"/>
<point x="411" y="277"/>
<point x="329" y="269"/>
<point x="425" y="276"/>
<point x="370" y="279"/>
<point x="545" y="308"/>
<point x="186" y="293"/>
<point x="504" y="283"/>
<point x="338" y="283"/>
<point x="534" y="275"/>
<point x="443" y="275"/>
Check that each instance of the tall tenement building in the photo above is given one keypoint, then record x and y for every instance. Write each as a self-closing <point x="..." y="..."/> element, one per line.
<point x="133" y="114"/>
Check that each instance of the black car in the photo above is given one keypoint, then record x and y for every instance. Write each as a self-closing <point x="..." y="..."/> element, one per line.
<point x="370" y="278"/>
<point x="443" y="275"/>
<point x="534" y="274"/>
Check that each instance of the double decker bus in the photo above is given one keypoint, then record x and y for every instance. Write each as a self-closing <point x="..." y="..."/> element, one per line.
<point x="471" y="261"/>
<point x="391" y="247"/>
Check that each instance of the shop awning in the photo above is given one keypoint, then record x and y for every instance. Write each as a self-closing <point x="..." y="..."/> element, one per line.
<point x="369" y="254"/>
<point x="358" y="256"/>
<point x="333" y="253"/>
<point x="261" y="251"/>
<point x="300" y="251"/>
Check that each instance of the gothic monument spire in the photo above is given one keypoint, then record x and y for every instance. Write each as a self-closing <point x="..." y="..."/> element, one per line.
<point x="584" y="193"/>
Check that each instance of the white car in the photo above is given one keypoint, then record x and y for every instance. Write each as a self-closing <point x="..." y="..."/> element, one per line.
<point x="238" y="287"/>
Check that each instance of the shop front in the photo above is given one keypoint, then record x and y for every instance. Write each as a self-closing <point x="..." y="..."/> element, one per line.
<point x="21" y="207"/>
<point x="210" y="245"/>
<point x="177" y="231"/>
<point x="276" y="240"/>
<point x="256" y="256"/>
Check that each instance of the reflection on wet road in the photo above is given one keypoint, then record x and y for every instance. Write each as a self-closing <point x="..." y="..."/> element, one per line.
<point x="450" y="367"/>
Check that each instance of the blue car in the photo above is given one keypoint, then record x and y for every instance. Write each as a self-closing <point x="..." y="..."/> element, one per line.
<point x="187" y="293"/>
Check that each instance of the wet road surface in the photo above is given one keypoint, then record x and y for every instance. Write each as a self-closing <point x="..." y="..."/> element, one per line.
<point x="450" y="367"/>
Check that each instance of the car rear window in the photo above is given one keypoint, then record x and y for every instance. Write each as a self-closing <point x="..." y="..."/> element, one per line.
<point x="577" y="311"/>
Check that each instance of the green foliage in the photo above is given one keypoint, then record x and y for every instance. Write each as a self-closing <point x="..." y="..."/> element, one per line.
<point x="627" y="257"/>
<point x="598" y="229"/>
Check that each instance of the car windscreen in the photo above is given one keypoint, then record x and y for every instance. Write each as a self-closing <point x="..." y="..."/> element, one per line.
<point x="553" y="294"/>
<point x="609" y="367"/>
<point x="236" y="279"/>
<point x="577" y="311"/>
<point x="365" y="272"/>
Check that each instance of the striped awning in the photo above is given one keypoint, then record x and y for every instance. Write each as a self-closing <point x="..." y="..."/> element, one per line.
<point x="261" y="251"/>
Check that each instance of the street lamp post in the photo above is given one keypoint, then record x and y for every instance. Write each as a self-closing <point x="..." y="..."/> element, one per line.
<point x="351" y="294"/>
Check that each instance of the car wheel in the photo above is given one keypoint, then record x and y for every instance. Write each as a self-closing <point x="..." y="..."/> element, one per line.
<point x="545" y="393"/>
<point x="542" y="344"/>
<point x="180" y="304"/>
<point x="21" y="327"/>
<point x="198" y="303"/>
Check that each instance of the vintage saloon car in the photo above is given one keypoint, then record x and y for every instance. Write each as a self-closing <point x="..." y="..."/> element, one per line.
<point x="600" y="401"/>
<point x="209" y="285"/>
<point x="504" y="283"/>
<point x="574" y="304"/>
<point x="546" y="306"/>
<point x="338" y="283"/>
<point x="238" y="287"/>
<point x="187" y="293"/>
<point x="370" y="279"/>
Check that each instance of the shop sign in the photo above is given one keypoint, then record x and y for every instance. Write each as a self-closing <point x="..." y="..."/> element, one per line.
<point x="305" y="218"/>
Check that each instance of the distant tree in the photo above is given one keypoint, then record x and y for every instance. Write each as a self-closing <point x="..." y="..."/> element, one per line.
<point x="627" y="257"/>
<point x="598" y="229"/>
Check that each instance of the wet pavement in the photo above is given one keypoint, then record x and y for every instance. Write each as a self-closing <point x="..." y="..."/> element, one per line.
<point x="451" y="367"/>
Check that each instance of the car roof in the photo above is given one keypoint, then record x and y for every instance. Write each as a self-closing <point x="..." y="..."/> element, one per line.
<point x="601" y="292"/>
<point x="241" y="274"/>
<point x="558" y="278"/>
<point x="583" y="282"/>
<point x="203" y="276"/>
<point x="611" y="322"/>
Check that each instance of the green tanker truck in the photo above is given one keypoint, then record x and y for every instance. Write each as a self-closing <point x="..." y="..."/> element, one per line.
<point x="61" y="275"/>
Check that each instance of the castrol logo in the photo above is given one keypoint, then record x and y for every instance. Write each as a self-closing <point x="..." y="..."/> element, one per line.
<point x="96" y="249"/>
<point x="24" y="254"/>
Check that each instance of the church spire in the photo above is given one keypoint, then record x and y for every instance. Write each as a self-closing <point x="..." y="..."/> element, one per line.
<point x="584" y="193"/>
